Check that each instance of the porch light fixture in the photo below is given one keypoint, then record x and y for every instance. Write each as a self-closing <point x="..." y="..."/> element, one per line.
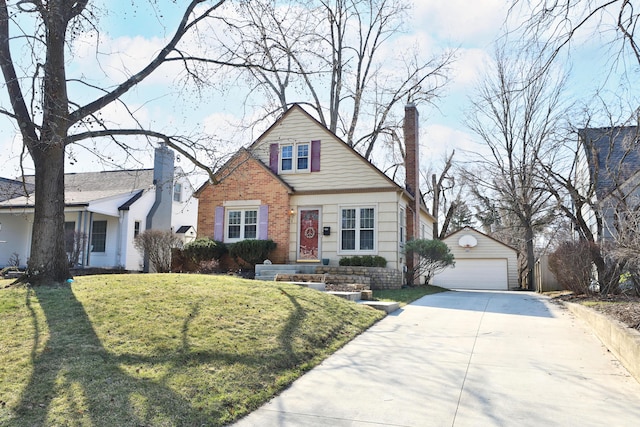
<point x="292" y="212"/>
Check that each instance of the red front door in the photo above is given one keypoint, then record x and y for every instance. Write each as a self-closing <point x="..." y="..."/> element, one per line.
<point x="309" y="236"/>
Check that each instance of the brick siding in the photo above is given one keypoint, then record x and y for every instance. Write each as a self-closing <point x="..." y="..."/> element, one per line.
<point x="249" y="180"/>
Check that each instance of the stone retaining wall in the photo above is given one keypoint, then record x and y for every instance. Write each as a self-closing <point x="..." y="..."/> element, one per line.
<point x="299" y="277"/>
<point x="349" y="287"/>
<point x="379" y="277"/>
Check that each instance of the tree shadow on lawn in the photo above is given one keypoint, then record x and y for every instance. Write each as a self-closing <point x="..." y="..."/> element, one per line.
<point x="76" y="380"/>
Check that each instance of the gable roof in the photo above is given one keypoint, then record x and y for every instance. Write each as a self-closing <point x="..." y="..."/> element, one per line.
<point x="298" y="108"/>
<point x="467" y="229"/>
<point x="613" y="155"/>
<point x="184" y="228"/>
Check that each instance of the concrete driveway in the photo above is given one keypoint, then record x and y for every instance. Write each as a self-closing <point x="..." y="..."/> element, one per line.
<point x="464" y="359"/>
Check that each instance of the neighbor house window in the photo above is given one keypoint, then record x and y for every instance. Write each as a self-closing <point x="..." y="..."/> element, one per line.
<point x="177" y="192"/>
<point x="136" y="229"/>
<point x="357" y="229"/>
<point x="242" y="224"/>
<point x="98" y="236"/>
<point x="69" y="236"/>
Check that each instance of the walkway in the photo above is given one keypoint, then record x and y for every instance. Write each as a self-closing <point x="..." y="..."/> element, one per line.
<point x="464" y="359"/>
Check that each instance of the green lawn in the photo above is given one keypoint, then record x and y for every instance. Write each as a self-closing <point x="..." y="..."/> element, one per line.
<point x="161" y="350"/>
<point x="407" y="295"/>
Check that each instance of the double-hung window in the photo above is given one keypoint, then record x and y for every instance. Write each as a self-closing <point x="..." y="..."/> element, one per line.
<point x="177" y="192"/>
<point x="357" y="229"/>
<point x="242" y="224"/>
<point x="99" y="236"/>
<point x="303" y="157"/>
<point x="294" y="158"/>
<point x="286" y="158"/>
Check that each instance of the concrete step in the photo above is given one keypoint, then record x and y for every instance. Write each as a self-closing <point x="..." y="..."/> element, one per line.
<point x="318" y="286"/>
<point x="386" y="306"/>
<point x="349" y="296"/>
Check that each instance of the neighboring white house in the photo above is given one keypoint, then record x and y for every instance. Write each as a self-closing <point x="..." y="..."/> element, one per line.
<point x="481" y="262"/>
<point x="110" y="208"/>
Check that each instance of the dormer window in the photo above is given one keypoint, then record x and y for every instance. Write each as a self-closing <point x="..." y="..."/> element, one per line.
<point x="294" y="157"/>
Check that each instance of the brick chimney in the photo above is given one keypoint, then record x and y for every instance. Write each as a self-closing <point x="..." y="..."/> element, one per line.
<point x="412" y="167"/>
<point x="412" y="175"/>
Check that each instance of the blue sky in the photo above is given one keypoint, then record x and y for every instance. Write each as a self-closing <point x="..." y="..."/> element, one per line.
<point x="134" y="33"/>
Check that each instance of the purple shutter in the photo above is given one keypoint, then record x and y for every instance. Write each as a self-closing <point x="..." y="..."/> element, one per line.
<point x="315" y="156"/>
<point x="273" y="158"/>
<point x="263" y="222"/>
<point x="218" y="226"/>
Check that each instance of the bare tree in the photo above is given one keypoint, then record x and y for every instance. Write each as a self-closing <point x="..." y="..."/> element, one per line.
<point x="516" y="116"/>
<point x="554" y="25"/>
<point x="47" y="108"/>
<point x="447" y="204"/>
<point x="157" y="246"/>
<point x="329" y="55"/>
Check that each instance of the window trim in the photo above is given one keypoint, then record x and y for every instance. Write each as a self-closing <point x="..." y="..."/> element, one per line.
<point x="358" y="250"/>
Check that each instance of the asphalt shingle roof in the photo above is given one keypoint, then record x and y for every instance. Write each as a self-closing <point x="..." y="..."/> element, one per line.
<point x="82" y="188"/>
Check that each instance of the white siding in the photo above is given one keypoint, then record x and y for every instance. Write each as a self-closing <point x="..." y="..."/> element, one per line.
<point x="130" y="257"/>
<point x="15" y="236"/>
<point x="386" y="222"/>
<point x="340" y="166"/>
<point x="108" y="257"/>
<point x="185" y="212"/>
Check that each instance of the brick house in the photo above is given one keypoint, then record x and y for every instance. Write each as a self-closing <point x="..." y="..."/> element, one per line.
<point x="317" y="198"/>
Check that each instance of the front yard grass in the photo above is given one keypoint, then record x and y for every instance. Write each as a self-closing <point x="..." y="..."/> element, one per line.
<point x="406" y="295"/>
<point x="161" y="350"/>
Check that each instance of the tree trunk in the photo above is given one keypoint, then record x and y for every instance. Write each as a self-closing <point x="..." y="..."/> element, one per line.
<point x="48" y="261"/>
<point x="531" y="259"/>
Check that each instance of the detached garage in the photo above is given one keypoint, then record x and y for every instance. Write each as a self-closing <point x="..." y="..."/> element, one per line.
<point x="482" y="263"/>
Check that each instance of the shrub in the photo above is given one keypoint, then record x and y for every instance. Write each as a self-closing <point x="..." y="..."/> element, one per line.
<point x="157" y="246"/>
<point x="433" y="257"/>
<point x="251" y="252"/>
<point x="571" y="264"/>
<point x="364" y="261"/>
<point x="204" y="249"/>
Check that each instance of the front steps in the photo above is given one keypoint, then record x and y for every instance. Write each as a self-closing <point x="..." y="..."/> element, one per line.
<point x="304" y="275"/>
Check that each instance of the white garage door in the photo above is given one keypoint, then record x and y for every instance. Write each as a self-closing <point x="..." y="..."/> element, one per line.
<point x="486" y="274"/>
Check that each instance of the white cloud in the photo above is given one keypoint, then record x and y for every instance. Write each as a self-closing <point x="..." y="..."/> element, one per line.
<point x="467" y="22"/>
